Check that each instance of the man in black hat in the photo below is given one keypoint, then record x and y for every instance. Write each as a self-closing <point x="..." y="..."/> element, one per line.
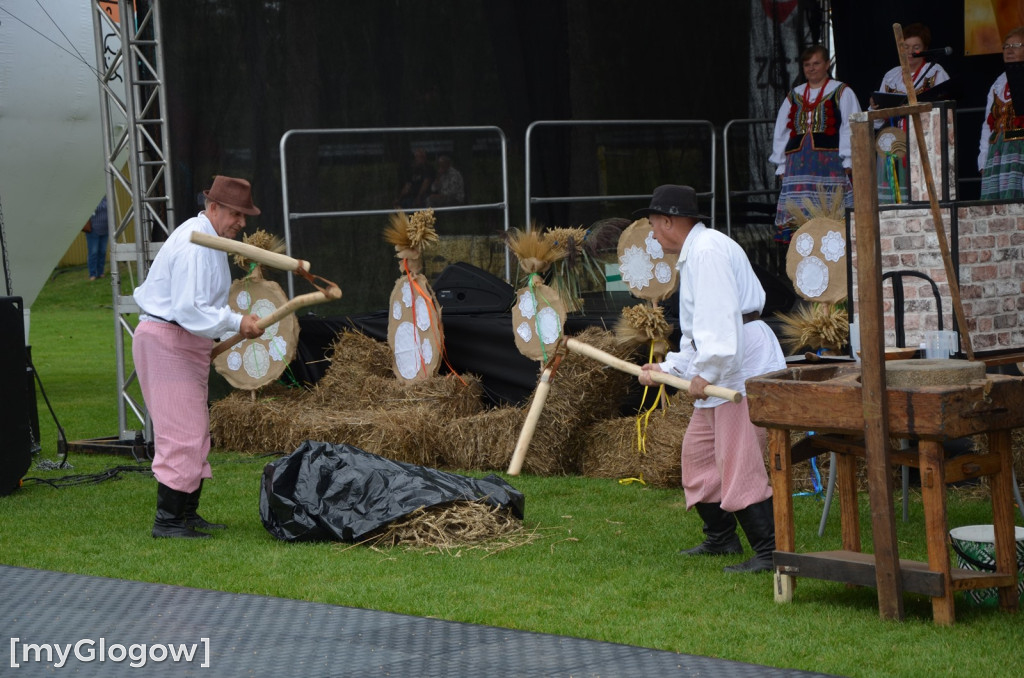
<point x="723" y="342"/>
<point x="183" y="305"/>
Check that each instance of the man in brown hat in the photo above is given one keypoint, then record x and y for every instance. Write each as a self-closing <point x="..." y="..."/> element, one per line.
<point x="724" y="343"/>
<point x="183" y="305"/>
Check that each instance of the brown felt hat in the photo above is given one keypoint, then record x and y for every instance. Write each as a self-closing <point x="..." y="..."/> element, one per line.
<point x="673" y="201"/>
<point x="233" y="193"/>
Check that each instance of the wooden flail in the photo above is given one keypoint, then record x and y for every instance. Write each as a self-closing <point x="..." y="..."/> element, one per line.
<point x="326" y="290"/>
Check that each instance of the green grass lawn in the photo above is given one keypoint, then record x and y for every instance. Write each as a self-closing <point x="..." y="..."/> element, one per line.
<point x="604" y="565"/>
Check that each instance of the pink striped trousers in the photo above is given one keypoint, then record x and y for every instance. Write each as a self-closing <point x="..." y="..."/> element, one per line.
<point x="723" y="458"/>
<point x="174" y="371"/>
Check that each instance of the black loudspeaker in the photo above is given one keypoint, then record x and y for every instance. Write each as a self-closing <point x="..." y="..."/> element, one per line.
<point x="15" y="430"/>
<point x="464" y="288"/>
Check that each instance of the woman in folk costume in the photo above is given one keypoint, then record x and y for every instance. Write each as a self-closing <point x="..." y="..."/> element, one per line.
<point x="892" y="163"/>
<point x="811" y="147"/>
<point x="1001" y="150"/>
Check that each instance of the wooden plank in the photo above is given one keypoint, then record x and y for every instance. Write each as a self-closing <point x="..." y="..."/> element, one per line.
<point x="849" y="512"/>
<point x="835" y="406"/>
<point x="933" y="496"/>
<point x="852" y="567"/>
<point x="895" y="111"/>
<point x="782" y="504"/>
<point x="1003" y="516"/>
<point x="874" y="399"/>
<point x="971" y="466"/>
<point x="855" y="568"/>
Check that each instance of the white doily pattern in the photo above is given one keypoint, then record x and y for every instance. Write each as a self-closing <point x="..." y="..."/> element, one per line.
<point x="812" y="276"/>
<point x="833" y="246"/>
<point x="636" y="267"/>
<point x="549" y="325"/>
<point x="804" y="244"/>
<point x="527" y="304"/>
<point x="654" y="248"/>
<point x="662" y="272"/>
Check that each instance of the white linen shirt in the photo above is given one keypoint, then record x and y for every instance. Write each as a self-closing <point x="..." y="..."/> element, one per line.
<point x="848" y="105"/>
<point x="892" y="81"/>
<point x="189" y="284"/>
<point x="717" y="286"/>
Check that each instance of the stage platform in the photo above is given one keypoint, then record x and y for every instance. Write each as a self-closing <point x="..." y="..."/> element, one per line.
<point x="249" y="635"/>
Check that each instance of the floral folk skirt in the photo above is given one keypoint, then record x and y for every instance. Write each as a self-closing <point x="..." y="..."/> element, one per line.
<point x="1003" y="176"/>
<point x="809" y="173"/>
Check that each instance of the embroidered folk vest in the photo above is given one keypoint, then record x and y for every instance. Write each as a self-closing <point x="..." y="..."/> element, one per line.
<point x="822" y="122"/>
<point x="1003" y="119"/>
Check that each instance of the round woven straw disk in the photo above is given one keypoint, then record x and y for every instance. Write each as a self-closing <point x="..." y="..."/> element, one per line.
<point x="816" y="261"/>
<point x="252" y="363"/>
<point x="537" y="320"/>
<point x="646" y="269"/>
<point x="415" y="334"/>
<point x="891" y="141"/>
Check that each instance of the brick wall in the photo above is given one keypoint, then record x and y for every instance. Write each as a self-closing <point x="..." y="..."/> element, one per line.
<point x="990" y="260"/>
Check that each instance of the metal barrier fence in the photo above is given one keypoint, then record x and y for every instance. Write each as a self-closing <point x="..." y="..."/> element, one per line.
<point x="532" y="200"/>
<point x="290" y="216"/>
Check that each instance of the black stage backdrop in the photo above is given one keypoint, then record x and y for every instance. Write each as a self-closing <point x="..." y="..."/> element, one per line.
<point x="241" y="73"/>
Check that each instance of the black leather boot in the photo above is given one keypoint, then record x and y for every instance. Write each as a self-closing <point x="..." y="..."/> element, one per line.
<point x="170" y="514"/>
<point x="758" y="523"/>
<point x="720" y="531"/>
<point x="192" y="518"/>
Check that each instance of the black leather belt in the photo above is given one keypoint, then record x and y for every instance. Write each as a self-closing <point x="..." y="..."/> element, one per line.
<point x="169" y="322"/>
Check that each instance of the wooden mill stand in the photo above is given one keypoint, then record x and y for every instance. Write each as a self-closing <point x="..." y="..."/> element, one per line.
<point x="828" y="400"/>
<point x="855" y="404"/>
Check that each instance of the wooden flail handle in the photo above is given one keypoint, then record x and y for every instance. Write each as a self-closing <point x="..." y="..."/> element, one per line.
<point x="577" y="346"/>
<point x="257" y="254"/>
<point x="530" y="425"/>
<point x="329" y="294"/>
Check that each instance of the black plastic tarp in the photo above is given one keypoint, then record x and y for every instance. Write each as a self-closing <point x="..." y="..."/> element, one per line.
<point x="327" y="492"/>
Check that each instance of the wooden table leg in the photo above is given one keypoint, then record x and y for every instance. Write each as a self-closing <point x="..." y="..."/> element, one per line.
<point x="933" y="494"/>
<point x="780" y="460"/>
<point x="849" y="512"/>
<point x="999" y="442"/>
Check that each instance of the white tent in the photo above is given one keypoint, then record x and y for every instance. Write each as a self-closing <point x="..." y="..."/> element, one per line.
<point x="51" y="145"/>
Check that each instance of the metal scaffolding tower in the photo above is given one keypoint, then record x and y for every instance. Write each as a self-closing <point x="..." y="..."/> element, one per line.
<point x="136" y="147"/>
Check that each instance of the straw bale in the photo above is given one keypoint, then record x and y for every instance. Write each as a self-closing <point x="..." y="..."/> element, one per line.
<point x="484" y="441"/>
<point x="354" y="356"/>
<point x="610" y="446"/>
<point x="452" y="395"/>
<point x="256" y="422"/>
<point x="406" y="435"/>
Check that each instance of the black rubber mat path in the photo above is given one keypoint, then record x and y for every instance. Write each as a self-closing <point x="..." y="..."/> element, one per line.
<point x="56" y="624"/>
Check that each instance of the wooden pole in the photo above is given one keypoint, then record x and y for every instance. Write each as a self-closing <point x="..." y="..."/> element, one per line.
<point x="257" y="254"/>
<point x="872" y="346"/>
<point x="577" y="346"/>
<point x="301" y="301"/>
<point x="940" y="230"/>
<point x="540" y="396"/>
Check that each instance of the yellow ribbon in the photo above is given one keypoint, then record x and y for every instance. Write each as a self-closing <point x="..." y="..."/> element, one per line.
<point x="644" y="417"/>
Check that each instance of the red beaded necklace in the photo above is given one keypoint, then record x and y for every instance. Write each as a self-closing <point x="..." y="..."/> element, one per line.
<point x="821" y="93"/>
